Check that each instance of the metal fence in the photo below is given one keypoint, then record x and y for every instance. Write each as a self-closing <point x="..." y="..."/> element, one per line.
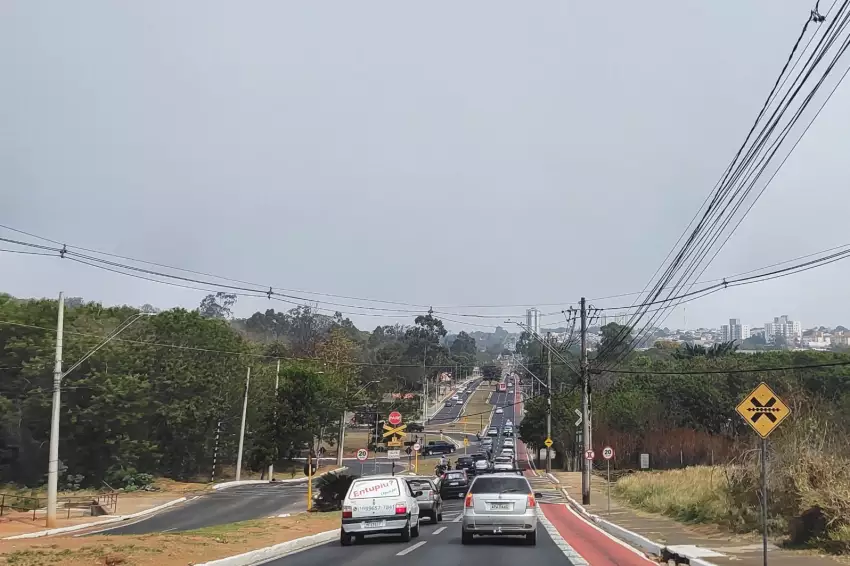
<point x="93" y="504"/>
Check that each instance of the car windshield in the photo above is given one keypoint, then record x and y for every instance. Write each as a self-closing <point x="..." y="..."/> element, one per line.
<point x="455" y="476"/>
<point x="464" y="460"/>
<point x="420" y="485"/>
<point x="503" y="460"/>
<point x="500" y="485"/>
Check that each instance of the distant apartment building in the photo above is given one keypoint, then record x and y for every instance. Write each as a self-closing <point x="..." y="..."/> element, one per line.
<point x="817" y="340"/>
<point x="734" y="331"/>
<point x="841" y="338"/>
<point x="791" y="330"/>
<point x="532" y="320"/>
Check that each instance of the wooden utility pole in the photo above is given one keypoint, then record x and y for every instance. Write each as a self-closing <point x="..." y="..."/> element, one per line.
<point x="585" y="409"/>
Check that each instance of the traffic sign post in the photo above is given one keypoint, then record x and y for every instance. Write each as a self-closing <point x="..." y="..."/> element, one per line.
<point x="394" y="418"/>
<point x="362" y="456"/>
<point x="763" y="410"/>
<point x="608" y="453"/>
<point x="416" y="448"/>
<point x="548" y="442"/>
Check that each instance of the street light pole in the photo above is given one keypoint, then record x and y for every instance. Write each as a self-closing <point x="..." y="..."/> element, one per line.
<point x="585" y="409"/>
<point x="58" y="376"/>
<point x="276" y="386"/>
<point x="549" y="408"/>
<point x="242" y="428"/>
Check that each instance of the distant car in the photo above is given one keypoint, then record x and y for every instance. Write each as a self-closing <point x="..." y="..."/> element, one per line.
<point x="455" y="397"/>
<point x="493" y="432"/>
<point x="415" y="427"/>
<point x="438" y="447"/>
<point x="509" y="452"/>
<point x="500" y="505"/>
<point x="454" y="484"/>
<point x="507" y="431"/>
<point x="449" y="404"/>
<point x="508" y="443"/>
<point x="488" y="441"/>
<point x="499" y="411"/>
<point x="503" y="464"/>
<point x="482" y="466"/>
<point x="430" y="502"/>
<point x="465" y="463"/>
<point x="509" y="422"/>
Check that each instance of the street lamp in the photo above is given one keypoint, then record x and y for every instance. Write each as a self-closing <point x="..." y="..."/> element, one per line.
<point x="58" y="376"/>
<point x="341" y="437"/>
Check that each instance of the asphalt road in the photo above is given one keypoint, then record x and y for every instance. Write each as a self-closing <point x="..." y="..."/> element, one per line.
<point x="446" y="415"/>
<point x="241" y="503"/>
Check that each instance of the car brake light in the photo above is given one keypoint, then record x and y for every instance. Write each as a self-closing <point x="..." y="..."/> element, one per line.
<point x="346" y="512"/>
<point x="400" y="508"/>
<point x="468" y="501"/>
<point x="531" y="501"/>
<point x="430" y="494"/>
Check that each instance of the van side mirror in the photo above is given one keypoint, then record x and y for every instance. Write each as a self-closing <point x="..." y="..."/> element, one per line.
<point x="417" y="494"/>
<point x="538" y="495"/>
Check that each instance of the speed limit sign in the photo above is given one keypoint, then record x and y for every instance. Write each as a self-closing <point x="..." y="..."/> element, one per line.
<point x="607" y="452"/>
<point x="362" y="454"/>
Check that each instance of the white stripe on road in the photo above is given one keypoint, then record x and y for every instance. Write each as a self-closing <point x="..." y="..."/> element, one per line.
<point x="410" y="549"/>
<point x="458" y="519"/>
<point x="438" y="531"/>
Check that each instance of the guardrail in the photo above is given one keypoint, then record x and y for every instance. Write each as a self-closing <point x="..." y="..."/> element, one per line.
<point x="26" y="503"/>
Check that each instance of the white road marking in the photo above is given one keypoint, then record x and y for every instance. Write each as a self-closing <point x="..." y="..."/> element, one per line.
<point x="410" y="549"/>
<point x="458" y="519"/>
<point x="438" y="531"/>
<point x="169" y="530"/>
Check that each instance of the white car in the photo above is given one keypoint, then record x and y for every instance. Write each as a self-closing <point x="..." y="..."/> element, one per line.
<point x="455" y="397"/>
<point x="499" y="411"/>
<point x="509" y="423"/>
<point x="509" y="452"/>
<point x="379" y="505"/>
<point x="508" y="443"/>
<point x="503" y="464"/>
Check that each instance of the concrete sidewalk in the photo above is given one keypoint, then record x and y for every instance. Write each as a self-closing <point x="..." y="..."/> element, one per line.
<point x="737" y="550"/>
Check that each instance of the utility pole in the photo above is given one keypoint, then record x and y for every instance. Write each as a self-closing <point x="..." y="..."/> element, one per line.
<point x="53" y="458"/>
<point x="242" y="429"/>
<point x="585" y="409"/>
<point x="276" y="386"/>
<point x="549" y="405"/>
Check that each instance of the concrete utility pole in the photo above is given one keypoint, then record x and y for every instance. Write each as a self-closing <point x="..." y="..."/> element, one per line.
<point x="276" y="386"/>
<point x="242" y="429"/>
<point x="53" y="458"/>
<point x="549" y="405"/>
<point x="585" y="409"/>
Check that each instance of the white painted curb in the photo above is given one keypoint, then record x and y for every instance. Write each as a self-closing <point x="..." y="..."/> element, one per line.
<point x="574" y="558"/>
<point x="82" y="526"/>
<point x="552" y="478"/>
<point x="634" y="539"/>
<point x="276" y="551"/>
<point x="229" y="484"/>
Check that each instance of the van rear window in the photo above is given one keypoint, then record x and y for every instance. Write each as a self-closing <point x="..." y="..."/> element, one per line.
<point x="366" y="489"/>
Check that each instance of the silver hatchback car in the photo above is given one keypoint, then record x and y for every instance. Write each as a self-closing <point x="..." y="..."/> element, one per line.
<point x="500" y="504"/>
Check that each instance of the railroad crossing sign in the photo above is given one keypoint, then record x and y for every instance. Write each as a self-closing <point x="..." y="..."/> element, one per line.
<point x="589" y="455"/>
<point x="763" y="410"/>
<point x="395" y="418"/>
<point x="394" y="431"/>
<point x="394" y="442"/>
<point x="417" y="447"/>
<point x="548" y="442"/>
<point x="607" y="452"/>
<point x="362" y="454"/>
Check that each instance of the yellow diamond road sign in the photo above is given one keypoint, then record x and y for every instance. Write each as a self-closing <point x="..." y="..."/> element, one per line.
<point x="548" y="442"/>
<point x="465" y="441"/>
<point x="763" y="410"/>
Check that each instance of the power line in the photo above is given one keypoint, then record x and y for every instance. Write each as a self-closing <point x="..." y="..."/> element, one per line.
<point x="700" y="372"/>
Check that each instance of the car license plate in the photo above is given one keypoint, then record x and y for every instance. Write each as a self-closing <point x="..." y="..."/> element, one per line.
<point x="454" y="483"/>
<point x="500" y="506"/>
<point x="373" y="524"/>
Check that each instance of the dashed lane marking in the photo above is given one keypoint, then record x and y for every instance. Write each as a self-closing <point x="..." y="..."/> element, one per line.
<point x="438" y="531"/>
<point x="410" y="549"/>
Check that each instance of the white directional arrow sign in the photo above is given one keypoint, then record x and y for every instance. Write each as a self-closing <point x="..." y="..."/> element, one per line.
<point x="578" y="422"/>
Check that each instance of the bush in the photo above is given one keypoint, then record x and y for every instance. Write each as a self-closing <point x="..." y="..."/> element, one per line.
<point x="129" y="479"/>
<point x="332" y="488"/>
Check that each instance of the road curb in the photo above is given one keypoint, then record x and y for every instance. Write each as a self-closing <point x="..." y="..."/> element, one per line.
<point x="83" y="526"/>
<point x="229" y="484"/>
<point x="632" y="538"/>
<point x="552" y="478"/>
<point x="277" y="551"/>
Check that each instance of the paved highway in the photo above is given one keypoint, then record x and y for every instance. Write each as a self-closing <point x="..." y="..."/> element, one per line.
<point x="239" y="503"/>
<point x="446" y="415"/>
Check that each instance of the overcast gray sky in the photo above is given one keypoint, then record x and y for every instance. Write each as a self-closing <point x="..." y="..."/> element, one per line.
<point x="448" y="153"/>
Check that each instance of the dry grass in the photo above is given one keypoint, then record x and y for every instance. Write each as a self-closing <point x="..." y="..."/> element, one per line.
<point x="170" y="549"/>
<point x="693" y="495"/>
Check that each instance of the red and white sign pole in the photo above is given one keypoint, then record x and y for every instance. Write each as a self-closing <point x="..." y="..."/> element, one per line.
<point x="608" y="453"/>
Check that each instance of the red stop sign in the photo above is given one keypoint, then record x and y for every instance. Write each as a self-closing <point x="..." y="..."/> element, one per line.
<point x="395" y="418"/>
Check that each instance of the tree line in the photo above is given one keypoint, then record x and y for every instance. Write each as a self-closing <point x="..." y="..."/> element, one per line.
<point x="152" y="400"/>
<point x="675" y="413"/>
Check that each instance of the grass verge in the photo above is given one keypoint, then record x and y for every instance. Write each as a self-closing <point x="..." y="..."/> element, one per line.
<point x="167" y="549"/>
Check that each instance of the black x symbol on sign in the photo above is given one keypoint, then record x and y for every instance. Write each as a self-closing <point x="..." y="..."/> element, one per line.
<point x="766" y="410"/>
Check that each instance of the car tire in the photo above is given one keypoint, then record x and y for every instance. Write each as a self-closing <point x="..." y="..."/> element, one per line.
<point x="405" y="532"/>
<point x="531" y="539"/>
<point x="345" y="539"/>
<point x="465" y="538"/>
<point x="414" y="532"/>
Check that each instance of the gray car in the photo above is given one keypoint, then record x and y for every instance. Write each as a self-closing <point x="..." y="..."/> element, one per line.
<point x="430" y="502"/>
<point x="500" y="504"/>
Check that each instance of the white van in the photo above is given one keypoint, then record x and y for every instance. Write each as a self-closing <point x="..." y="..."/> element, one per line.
<point x="379" y="505"/>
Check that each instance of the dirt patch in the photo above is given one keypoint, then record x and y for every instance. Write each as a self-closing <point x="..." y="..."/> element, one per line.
<point x="169" y="549"/>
